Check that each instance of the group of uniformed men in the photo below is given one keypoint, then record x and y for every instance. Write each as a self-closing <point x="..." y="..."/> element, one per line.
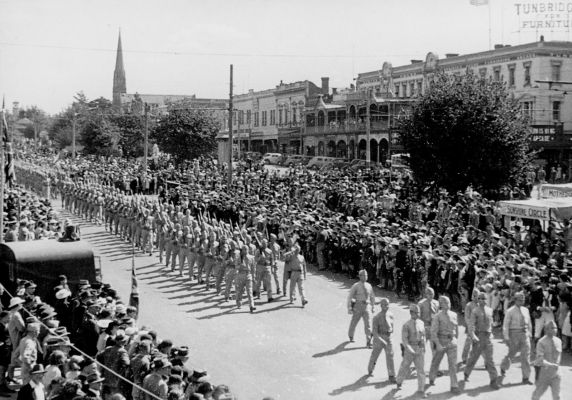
<point x="433" y="321"/>
<point x="204" y="246"/>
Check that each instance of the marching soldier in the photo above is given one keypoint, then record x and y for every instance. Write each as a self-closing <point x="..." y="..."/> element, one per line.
<point x="264" y="261"/>
<point x="244" y="277"/>
<point x="480" y="330"/>
<point x="361" y="300"/>
<point x="517" y="328"/>
<point x="298" y="276"/>
<point x="471" y="305"/>
<point x="275" y="247"/>
<point x="382" y="329"/>
<point x="548" y="356"/>
<point x="413" y="342"/>
<point x="444" y="334"/>
<point x="428" y="308"/>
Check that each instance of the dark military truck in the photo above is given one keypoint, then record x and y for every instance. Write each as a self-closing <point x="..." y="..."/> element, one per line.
<point x="42" y="261"/>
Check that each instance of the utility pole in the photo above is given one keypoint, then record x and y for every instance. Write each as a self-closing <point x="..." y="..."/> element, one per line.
<point x="73" y="136"/>
<point x="146" y="139"/>
<point x="2" y="177"/>
<point x="368" y="128"/>
<point x="230" y="138"/>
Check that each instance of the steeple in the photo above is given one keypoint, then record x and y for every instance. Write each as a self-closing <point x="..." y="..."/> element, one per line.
<point x="119" y="84"/>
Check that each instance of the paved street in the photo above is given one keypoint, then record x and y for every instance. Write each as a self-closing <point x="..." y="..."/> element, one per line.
<point x="281" y="350"/>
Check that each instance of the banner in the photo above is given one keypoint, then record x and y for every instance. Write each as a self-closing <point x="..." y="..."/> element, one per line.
<point x="554" y="191"/>
<point x="525" y="211"/>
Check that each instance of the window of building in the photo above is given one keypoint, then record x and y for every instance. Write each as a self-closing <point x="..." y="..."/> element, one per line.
<point x="556" y="68"/>
<point x="264" y="118"/>
<point x="496" y="74"/>
<point x="280" y="117"/>
<point x="234" y="118"/>
<point x="483" y="72"/>
<point x="556" y="111"/>
<point x="511" y="75"/>
<point x="420" y="88"/>
<point x="285" y="116"/>
<point x="248" y="115"/>
<point x="241" y="117"/>
<point x="526" y="74"/>
<point x="527" y="108"/>
<point x="404" y="89"/>
<point x="294" y="109"/>
<point x="412" y="89"/>
<point x="272" y="117"/>
<point x="396" y="90"/>
<point x="256" y="118"/>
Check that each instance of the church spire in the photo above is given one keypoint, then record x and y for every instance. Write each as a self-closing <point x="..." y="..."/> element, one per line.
<point x="119" y="83"/>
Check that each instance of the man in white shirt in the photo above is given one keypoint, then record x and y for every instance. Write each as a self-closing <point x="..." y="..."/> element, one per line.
<point x="360" y="305"/>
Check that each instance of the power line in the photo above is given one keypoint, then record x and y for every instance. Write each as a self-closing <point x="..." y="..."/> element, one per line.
<point x="205" y="54"/>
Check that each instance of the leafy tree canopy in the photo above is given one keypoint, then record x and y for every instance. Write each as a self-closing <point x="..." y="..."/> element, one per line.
<point x="186" y="133"/>
<point x="467" y="131"/>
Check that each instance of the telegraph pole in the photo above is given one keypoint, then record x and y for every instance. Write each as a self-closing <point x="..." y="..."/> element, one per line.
<point x="2" y="177"/>
<point x="368" y="128"/>
<point x="73" y="136"/>
<point x="146" y="138"/>
<point x="230" y="138"/>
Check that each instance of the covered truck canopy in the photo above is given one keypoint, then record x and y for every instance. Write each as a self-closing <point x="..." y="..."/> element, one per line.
<point x="43" y="261"/>
<point x="554" y="209"/>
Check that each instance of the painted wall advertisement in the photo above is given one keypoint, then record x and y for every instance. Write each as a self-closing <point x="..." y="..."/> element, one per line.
<point x="538" y="15"/>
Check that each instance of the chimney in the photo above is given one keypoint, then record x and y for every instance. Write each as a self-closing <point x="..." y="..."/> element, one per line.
<point x="416" y="61"/>
<point x="449" y="55"/>
<point x="325" y="85"/>
<point x="542" y="38"/>
<point x="498" y="46"/>
<point x="334" y="90"/>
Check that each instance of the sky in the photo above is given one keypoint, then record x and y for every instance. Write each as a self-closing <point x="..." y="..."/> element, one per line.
<point x="52" y="49"/>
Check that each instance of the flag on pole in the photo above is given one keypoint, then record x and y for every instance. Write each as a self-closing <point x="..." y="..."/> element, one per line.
<point x="479" y="2"/>
<point x="134" y="296"/>
<point x="9" y="162"/>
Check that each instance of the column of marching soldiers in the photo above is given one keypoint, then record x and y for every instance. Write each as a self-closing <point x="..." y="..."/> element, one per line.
<point x="215" y="251"/>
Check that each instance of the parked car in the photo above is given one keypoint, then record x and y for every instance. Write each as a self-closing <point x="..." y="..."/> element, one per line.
<point x="272" y="158"/>
<point x="296" y="159"/>
<point x="319" y="161"/>
<point x="253" y="155"/>
<point x="339" y="163"/>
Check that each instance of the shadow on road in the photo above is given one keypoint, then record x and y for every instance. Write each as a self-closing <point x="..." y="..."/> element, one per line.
<point x="336" y="350"/>
<point x="357" y="385"/>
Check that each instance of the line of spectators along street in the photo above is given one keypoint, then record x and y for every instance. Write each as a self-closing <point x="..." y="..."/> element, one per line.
<point x="42" y="340"/>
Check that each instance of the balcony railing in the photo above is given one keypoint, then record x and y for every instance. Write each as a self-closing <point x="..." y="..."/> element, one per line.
<point x="348" y="127"/>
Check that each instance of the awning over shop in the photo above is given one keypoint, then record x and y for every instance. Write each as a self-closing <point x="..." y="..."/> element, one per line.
<point x="556" y="209"/>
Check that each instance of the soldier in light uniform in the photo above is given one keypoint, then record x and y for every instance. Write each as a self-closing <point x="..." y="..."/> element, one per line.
<point x="517" y="328"/>
<point x="275" y="247"/>
<point x="444" y="334"/>
<point x="184" y="249"/>
<point x="244" y="277"/>
<point x="361" y="301"/>
<point x="222" y="259"/>
<point x="264" y="260"/>
<point x="211" y="264"/>
<point x="548" y="357"/>
<point x="298" y="268"/>
<point x="428" y="308"/>
<point x="480" y="330"/>
<point x="202" y="250"/>
<point x="231" y="265"/>
<point x="471" y="305"/>
<point x="382" y="329"/>
<point x="413" y="341"/>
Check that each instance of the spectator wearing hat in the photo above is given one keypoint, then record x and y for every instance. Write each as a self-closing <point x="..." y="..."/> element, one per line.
<point x="154" y="382"/>
<point x="140" y="367"/>
<point x="54" y="370"/>
<point x="33" y="389"/>
<point x="413" y="343"/>
<point x="29" y="351"/>
<point x="94" y="384"/>
<point x="5" y="351"/>
<point x="116" y="359"/>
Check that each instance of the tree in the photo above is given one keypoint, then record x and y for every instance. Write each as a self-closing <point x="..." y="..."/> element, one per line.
<point x="186" y="133"/>
<point x="101" y="137"/>
<point x="467" y="131"/>
<point x="131" y="129"/>
<point x="39" y="120"/>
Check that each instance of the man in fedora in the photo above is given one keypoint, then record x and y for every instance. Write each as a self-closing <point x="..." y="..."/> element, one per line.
<point x="94" y="384"/>
<point x="28" y="351"/>
<point x="16" y="330"/>
<point x="34" y="389"/>
<point x="117" y="360"/>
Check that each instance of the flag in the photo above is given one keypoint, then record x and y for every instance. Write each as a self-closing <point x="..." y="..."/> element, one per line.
<point x="9" y="162"/>
<point x="479" y="2"/>
<point x="134" y="296"/>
